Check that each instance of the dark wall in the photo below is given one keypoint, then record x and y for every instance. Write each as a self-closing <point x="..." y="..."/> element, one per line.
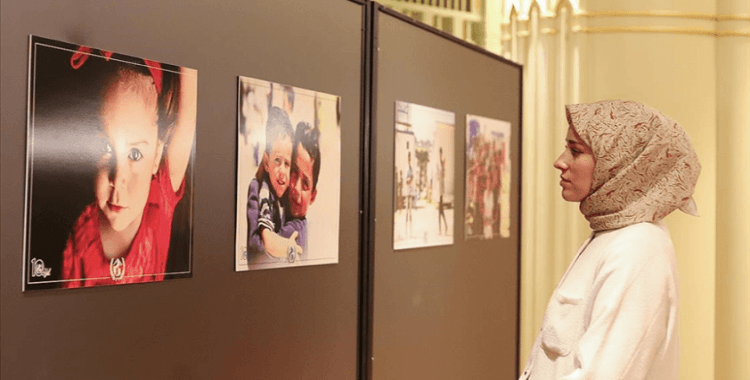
<point x="276" y="324"/>
<point x="447" y="312"/>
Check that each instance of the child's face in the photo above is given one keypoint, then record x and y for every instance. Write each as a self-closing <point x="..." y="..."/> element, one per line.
<point x="302" y="194"/>
<point x="132" y="151"/>
<point x="278" y="163"/>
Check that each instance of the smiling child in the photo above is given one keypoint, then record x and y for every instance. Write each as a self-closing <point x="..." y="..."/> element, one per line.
<point x="264" y="210"/>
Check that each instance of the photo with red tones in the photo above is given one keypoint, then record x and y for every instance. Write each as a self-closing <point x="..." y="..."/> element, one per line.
<point x="109" y="182"/>
<point x="488" y="166"/>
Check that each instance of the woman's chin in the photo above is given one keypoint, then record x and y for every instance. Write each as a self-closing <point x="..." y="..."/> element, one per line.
<point x="569" y="196"/>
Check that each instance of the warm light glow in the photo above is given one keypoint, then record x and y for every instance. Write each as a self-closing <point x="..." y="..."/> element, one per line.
<point x="522" y="6"/>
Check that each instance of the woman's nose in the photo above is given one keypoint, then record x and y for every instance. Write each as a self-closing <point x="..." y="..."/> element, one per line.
<point x="560" y="163"/>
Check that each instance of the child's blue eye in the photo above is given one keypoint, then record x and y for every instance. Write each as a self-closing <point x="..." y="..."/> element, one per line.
<point x="135" y="154"/>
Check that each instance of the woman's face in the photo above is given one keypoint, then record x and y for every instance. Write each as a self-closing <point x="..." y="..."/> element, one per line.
<point x="131" y="152"/>
<point x="576" y="165"/>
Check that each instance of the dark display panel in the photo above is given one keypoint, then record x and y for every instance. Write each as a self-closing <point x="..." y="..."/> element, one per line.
<point x="219" y="324"/>
<point x="445" y="312"/>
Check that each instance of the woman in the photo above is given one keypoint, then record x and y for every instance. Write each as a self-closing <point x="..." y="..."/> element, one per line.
<point x="614" y="312"/>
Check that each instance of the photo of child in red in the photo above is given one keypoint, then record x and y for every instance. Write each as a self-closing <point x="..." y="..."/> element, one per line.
<point x="145" y="116"/>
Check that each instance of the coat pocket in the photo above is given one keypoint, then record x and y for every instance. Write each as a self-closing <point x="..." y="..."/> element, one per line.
<point x="563" y="324"/>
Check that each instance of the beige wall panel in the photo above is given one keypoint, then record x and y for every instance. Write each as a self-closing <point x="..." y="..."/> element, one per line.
<point x="733" y="208"/>
<point x="705" y="6"/>
<point x="675" y="74"/>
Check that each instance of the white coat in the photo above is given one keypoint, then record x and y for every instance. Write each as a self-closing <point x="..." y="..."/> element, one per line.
<point x="614" y="312"/>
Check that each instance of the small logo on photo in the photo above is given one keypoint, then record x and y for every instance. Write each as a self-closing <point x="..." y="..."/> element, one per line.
<point x="38" y="269"/>
<point x="117" y="268"/>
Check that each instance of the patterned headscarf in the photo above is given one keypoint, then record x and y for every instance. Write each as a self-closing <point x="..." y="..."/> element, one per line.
<point x="645" y="165"/>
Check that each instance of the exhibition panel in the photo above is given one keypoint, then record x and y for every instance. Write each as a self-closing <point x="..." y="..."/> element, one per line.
<point x="332" y="190"/>
<point x="288" y="323"/>
<point x="443" y="306"/>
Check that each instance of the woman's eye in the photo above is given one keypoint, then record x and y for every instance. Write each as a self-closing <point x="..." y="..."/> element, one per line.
<point x="573" y="151"/>
<point x="135" y="154"/>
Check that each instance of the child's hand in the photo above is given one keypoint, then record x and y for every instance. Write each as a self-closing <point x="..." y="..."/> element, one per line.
<point x="281" y="247"/>
<point x="294" y="249"/>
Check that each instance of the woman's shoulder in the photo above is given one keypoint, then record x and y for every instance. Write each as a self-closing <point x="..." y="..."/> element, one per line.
<point x="644" y="232"/>
<point x="646" y="243"/>
<point x="652" y="230"/>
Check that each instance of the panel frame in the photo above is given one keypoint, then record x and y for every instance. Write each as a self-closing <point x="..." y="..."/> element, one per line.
<point x="376" y="11"/>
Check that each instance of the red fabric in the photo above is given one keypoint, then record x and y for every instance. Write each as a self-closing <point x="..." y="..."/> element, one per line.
<point x="84" y="263"/>
<point x="80" y="56"/>
<point x="156" y="73"/>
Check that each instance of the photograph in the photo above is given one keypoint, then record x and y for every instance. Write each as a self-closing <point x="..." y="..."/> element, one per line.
<point x="288" y="176"/>
<point x="487" y="178"/>
<point x="109" y="168"/>
<point x="423" y="175"/>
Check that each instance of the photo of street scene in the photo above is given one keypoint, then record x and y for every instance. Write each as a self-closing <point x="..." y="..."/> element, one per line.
<point x="423" y="176"/>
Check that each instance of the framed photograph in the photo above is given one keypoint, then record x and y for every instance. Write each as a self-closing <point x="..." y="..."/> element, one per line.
<point x="288" y="176"/>
<point x="423" y="175"/>
<point x="109" y="173"/>
<point x="487" y="178"/>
